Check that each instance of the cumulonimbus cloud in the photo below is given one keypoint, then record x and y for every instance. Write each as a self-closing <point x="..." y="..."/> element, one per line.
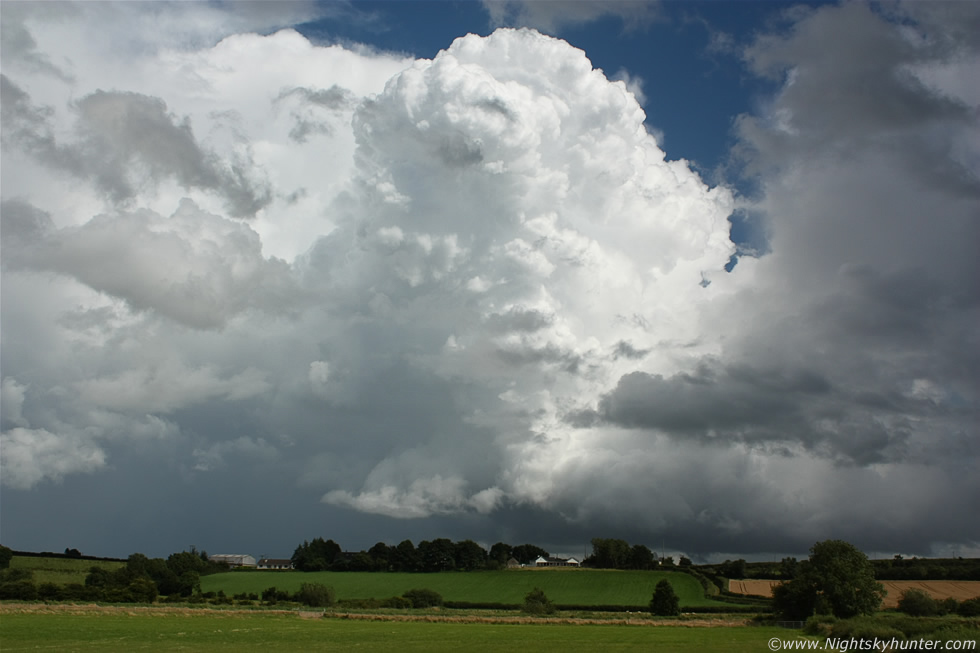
<point x="476" y="284"/>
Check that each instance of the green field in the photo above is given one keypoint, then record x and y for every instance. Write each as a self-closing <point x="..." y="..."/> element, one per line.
<point x="124" y="630"/>
<point x="60" y="571"/>
<point x="563" y="586"/>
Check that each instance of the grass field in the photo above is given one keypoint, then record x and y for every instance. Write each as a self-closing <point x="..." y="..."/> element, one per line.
<point x="563" y="586"/>
<point x="60" y="571"/>
<point x="129" y="629"/>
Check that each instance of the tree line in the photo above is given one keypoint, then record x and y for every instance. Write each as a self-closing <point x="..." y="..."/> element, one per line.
<point x="140" y="580"/>
<point x="442" y="554"/>
<point x="436" y="555"/>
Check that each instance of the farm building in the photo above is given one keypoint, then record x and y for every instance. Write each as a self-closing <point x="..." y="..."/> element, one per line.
<point x="513" y="564"/>
<point x="552" y="561"/>
<point x="234" y="559"/>
<point x="275" y="563"/>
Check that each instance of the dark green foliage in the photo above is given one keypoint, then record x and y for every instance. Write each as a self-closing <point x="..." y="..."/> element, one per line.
<point x="18" y="585"/>
<point x="528" y="553"/>
<point x="79" y="592"/>
<point x="665" y="602"/>
<point x="501" y="553"/>
<point x="916" y="603"/>
<point x="361" y="562"/>
<point x="423" y="598"/>
<point x="50" y="592"/>
<point x="865" y="629"/>
<point x="317" y="555"/>
<point x="98" y="577"/>
<point x="641" y="557"/>
<point x="316" y="595"/>
<point x="969" y="608"/>
<point x="6" y="554"/>
<point x="609" y="553"/>
<point x="18" y="590"/>
<point x="397" y="602"/>
<point x="789" y="568"/>
<point x="819" y="625"/>
<point x="685" y="562"/>
<point x="405" y="557"/>
<point x="142" y="590"/>
<point x="437" y="555"/>
<point x="837" y="579"/>
<point x="381" y="556"/>
<point x="270" y="595"/>
<point x="469" y="555"/>
<point x="900" y="568"/>
<point x="537" y="603"/>
<point x="732" y="569"/>
<point x="794" y="601"/>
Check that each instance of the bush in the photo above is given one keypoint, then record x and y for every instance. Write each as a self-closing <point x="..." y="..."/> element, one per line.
<point x="316" y="595"/>
<point x="916" y="603"/>
<point x="865" y="628"/>
<point x="665" y="602"/>
<point x="969" y="608"/>
<point x="79" y="592"/>
<point x="537" y="603"/>
<point x="397" y="602"/>
<point x="18" y="590"/>
<point x="49" y="592"/>
<point x="423" y="598"/>
<point x="820" y="625"/>
<point x="270" y="595"/>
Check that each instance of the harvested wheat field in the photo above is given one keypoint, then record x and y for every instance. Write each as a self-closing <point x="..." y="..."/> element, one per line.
<point x="937" y="589"/>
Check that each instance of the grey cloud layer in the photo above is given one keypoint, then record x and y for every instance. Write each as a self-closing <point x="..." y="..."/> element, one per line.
<point x="495" y="300"/>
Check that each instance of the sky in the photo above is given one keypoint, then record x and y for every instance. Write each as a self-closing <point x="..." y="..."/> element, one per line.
<point x="701" y="276"/>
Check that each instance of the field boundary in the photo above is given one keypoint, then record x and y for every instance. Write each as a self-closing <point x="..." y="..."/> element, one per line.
<point x="163" y="610"/>
<point x="960" y="590"/>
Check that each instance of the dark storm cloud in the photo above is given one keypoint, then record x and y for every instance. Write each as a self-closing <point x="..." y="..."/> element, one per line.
<point x="864" y="93"/>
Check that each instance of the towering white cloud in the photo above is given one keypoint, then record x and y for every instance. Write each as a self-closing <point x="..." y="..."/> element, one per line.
<point x="475" y="285"/>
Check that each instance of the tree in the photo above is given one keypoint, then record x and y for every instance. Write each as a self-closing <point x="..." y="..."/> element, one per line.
<point x="837" y="579"/>
<point x="423" y="598"/>
<point x="141" y="590"/>
<point x="381" y="554"/>
<point x="610" y="553"/>
<point x="501" y="552"/>
<point x="316" y="595"/>
<point x="437" y="555"/>
<point x="916" y="603"/>
<point x="528" y="553"/>
<point x="789" y="568"/>
<point x="733" y="569"/>
<point x="405" y="557"/>
<point x="641" y="557"/>
<point x="317" y="555"/>
<point x="665" y="602"/>
<point x="470" y="555"/>
<point x="536" y="602"/>
<point x="6" y="554"/>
